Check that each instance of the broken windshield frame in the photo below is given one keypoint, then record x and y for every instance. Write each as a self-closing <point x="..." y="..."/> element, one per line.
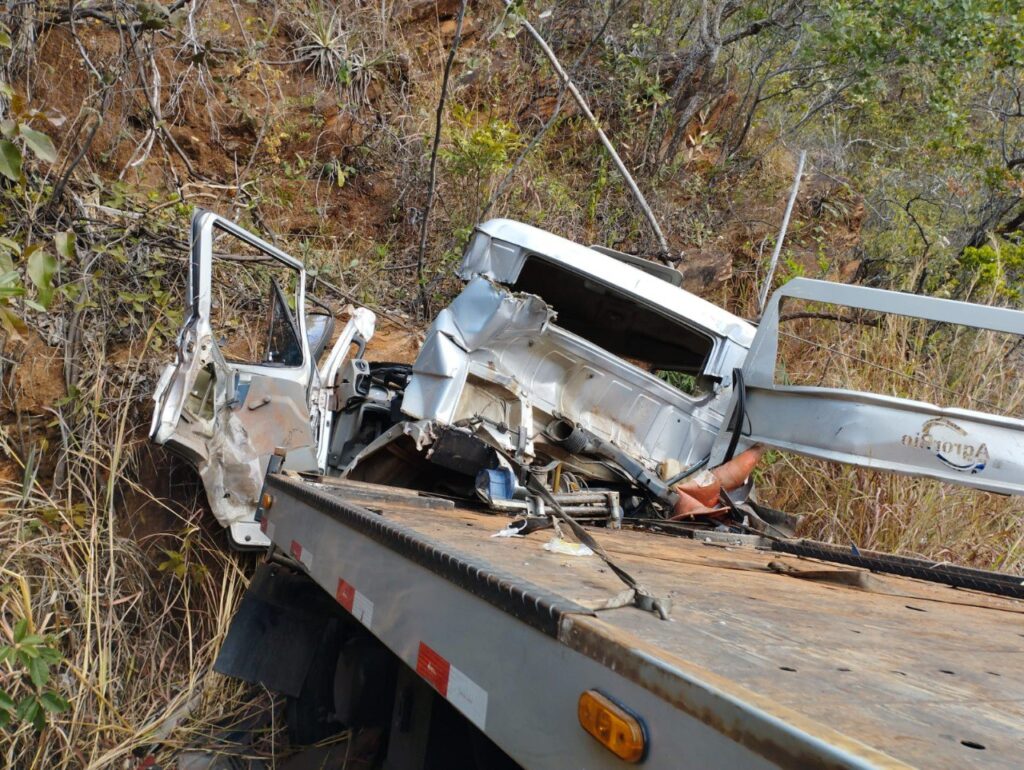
<point x="276" y="339"/>
<point x="284" y="347"/>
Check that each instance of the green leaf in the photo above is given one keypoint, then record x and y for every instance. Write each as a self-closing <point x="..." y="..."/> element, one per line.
<point x="39" y="143"/>
<point x="12" y="323"/>
<point x="28" y="708"/>
<point x="10" y="160"/>
<point x="6" y="702"/>
<point x="38" y="672"/>
<point x="5" y="38"/>
<point x="10" y="244"/>
<point x="41" y="267"/>
<point x="20" y="629"/>
<point x="65" y="243"/>
<point x="51" y="701"/>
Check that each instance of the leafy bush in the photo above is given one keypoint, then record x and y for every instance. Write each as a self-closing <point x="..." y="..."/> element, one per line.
<point x="993" y="272"/>
<point x="24" y="266"/>
<point x="479" y="149"/>
<point x="31" y="698"/>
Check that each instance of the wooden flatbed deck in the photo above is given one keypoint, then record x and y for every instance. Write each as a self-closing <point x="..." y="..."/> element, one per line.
<point x="929" y="675"/>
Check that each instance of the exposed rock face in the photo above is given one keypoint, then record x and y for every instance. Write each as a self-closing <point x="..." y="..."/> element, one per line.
<point x="705" y="268"/>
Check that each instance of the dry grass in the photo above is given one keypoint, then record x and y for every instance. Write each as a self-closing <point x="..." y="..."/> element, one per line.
<point x="137" y="613"/>
<point x="136" y="641"/>
<point x="137" y="630"/>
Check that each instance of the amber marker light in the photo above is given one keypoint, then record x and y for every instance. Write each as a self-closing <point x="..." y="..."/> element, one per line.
<point x="267" y="501"/>
<point x="614" y="727"/>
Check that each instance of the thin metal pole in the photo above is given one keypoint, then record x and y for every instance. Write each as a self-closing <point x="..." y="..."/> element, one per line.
<point x="767" y="285"/>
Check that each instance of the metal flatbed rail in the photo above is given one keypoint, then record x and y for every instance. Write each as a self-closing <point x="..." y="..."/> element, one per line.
<point x="757" y="668"/>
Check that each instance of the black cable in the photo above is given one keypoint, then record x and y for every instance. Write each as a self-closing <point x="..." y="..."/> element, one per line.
<point x="739" y="414"/>
<point x="958" y="577"/>
<point x="998" y="583"/>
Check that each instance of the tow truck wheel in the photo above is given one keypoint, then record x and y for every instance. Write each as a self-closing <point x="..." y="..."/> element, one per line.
<point x="350" y="684"/>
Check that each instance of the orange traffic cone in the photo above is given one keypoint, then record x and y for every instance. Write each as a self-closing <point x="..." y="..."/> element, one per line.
<point x="699" y="495"/>
<point x="734" y="474"/>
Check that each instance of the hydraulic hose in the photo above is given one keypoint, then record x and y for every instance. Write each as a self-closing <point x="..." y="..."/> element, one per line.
<point x="738" y="416"/>
<point x="577" y="440"/>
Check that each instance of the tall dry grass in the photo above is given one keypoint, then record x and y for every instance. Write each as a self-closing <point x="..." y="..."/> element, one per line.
<point x="136" y="637"/>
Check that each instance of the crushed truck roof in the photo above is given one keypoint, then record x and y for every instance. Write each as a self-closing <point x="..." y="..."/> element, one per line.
<point x="500" y="247"/>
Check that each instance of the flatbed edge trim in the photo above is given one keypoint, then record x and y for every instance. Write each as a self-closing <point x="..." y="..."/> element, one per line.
<point x="536" y="606"/>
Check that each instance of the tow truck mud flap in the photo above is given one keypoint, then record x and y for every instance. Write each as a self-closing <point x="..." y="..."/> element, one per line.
<point x="282" y="621"/>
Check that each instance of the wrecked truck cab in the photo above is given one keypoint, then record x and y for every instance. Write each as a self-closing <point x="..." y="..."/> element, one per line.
<point x="550" y="338"/>
<point x="561" y="376"/>
<point x="590" y="370"/>
<point x="245" y="383"/>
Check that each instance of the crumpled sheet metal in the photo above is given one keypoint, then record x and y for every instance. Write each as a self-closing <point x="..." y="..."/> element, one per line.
<point x="243" y="438"/>
<point x="641" y="414"/>
<point x="484" y="313"/>
<point x="232" y="475"/>
<point x="497" y="356"/>
<point x="422" y="432"/>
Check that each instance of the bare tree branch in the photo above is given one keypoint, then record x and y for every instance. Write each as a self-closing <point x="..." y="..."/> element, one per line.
<point x="507" y="179"/>
<point x="585" y="109"/>
<point x="432" y="184"/>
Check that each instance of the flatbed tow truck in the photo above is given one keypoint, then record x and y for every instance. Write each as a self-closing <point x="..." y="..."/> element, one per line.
<point x="731" y="647"/>
<point x="756" y="668"/>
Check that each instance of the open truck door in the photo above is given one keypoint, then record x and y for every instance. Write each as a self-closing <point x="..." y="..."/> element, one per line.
<point x="956" y="445"/>
<point x="245" y="381"/>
